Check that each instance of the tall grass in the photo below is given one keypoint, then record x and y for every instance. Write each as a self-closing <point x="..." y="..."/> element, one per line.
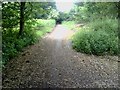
<point x="69" y="24"/>
<point x="44" y="26"/>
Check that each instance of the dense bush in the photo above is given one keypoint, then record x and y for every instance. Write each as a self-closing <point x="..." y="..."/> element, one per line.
<point x="12" y="44"/>
<point x="98" y="38"/>
<point x="105" y="24"/>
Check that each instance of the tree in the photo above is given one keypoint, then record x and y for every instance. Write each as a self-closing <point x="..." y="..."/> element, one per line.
<point x="22" y="8"/>
<point x="90" y="11"/>
<point x="17" y="13"/>
<point x="42" y="10"/>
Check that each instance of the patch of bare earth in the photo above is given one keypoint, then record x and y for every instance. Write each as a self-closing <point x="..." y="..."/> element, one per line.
<point x="53" y="63"/>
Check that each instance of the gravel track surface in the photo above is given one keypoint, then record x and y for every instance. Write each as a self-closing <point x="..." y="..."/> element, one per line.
<point x="53" y="63"/>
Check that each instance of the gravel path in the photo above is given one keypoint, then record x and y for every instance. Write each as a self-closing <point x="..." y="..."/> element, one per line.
<point x="53" y="63"/>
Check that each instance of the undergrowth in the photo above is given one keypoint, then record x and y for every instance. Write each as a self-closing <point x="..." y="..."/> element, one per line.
<point x="99" y="37"/>
<point x="34" y="29"/>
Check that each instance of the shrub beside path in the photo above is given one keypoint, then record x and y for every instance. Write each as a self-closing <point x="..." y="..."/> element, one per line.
<point x="53" y="63"/>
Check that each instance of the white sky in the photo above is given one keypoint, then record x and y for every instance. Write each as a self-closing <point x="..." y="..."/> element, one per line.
<point x="64" y="6"/>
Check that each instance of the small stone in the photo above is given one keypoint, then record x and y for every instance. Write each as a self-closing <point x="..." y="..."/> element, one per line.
<point x="27" y="61"/>
<point x="66" y="80"/>
<point x="59" y="74"/>
<point x="7" y="81"/>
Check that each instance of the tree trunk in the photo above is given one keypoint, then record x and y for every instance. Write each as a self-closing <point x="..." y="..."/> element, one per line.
<point x="22" y="8"/>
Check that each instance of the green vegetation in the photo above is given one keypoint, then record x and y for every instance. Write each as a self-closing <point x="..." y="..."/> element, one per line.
<point x="33" y="31"/>
<point x="23" y="23"/>
<point x="97" y="42"/>
<point x="44" y="26"/>
<point x="99" y="36"/>
<point x="69" y="24"/>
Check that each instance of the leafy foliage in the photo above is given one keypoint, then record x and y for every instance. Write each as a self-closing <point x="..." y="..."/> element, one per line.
<point x="100" y="33"/>
<point x="97" y="38"/>
<point x="13" y="41"/>
<point x="12" y="45"/>
<point x="90" y="11"/>
<point x="10" y="14"/>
